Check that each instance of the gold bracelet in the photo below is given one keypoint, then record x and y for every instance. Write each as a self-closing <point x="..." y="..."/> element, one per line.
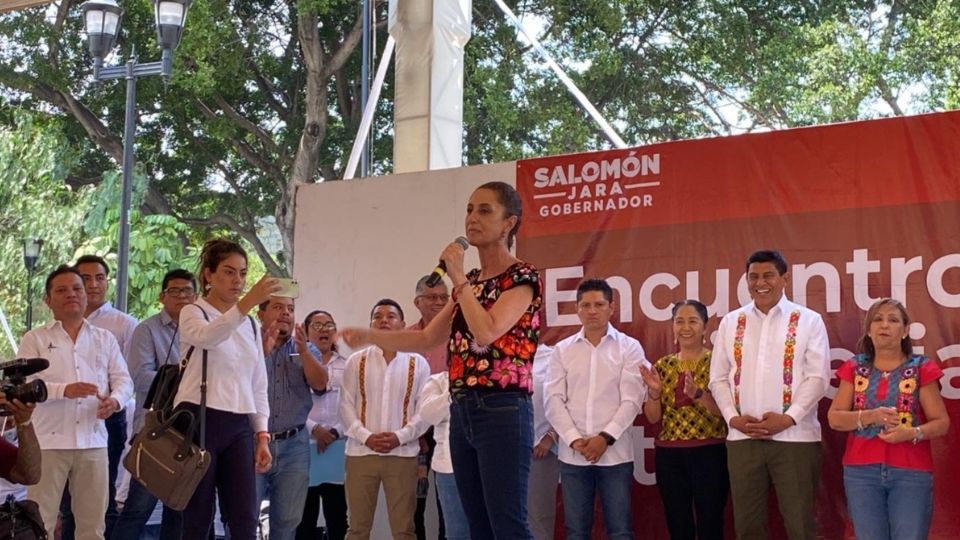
<point x="859" y="419"/>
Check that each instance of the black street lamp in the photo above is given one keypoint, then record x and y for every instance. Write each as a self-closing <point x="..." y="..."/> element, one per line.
<point x="31" y="254"/>
<point x="101" y="19"/>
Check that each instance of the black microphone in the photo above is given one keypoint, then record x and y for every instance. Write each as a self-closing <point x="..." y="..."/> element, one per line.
<point x="441" y="269"/>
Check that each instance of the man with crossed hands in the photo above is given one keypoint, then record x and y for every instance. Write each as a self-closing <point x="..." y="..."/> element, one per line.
<point x="378" y="404"/>
<point x="592" y="394"/>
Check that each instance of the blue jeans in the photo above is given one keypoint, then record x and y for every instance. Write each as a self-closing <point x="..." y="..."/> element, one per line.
<point x="888" y="503"/>
<point x="491" y="444"/>
<point x="454" y="518"/>
<point x="136" y="511"/>
<point x="579" y="485"/>
<point x="286" y="484"/>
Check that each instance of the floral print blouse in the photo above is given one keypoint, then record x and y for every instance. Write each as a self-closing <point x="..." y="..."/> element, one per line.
<point x="507" y="363"/>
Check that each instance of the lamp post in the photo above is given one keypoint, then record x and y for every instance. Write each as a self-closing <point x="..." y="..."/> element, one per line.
<point x="31" y="254"/>
<point x="101" y="20"/>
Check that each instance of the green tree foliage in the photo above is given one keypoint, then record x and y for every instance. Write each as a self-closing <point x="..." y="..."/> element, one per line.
<point x="265" y="94"/>
<point x="35" y="202"/>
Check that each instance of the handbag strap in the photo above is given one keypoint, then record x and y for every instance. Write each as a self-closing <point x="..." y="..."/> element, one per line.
<point x="203" y="403"/>
<point x="203" y="379"/>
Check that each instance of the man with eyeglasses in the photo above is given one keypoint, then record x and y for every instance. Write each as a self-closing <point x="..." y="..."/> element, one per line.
<point x="429" y="302"/>
<point x="154" y="344"/>
<point x="100" y="312"/>
<point x="292" y="371"/>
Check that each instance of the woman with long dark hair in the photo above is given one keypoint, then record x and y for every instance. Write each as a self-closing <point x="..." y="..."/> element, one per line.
<point x="236" y="395"/>
<point x="491" y="328"/>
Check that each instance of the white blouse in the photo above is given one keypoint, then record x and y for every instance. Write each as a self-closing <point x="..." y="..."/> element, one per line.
<point x="236" y="369"/>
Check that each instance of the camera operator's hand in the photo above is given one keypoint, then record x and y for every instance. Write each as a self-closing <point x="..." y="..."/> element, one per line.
<point x="21" y="412"/>
<point x="107" y="407"/>
<point x="79" y="390"/>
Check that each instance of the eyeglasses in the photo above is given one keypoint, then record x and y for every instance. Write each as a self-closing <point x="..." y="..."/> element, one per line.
<point x="180" y="291"/>
<point x="435" y="297"/>
<point x="323" y="326"/>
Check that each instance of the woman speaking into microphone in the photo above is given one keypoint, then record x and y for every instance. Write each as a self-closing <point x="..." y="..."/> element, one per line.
<point x="491" y="328"/>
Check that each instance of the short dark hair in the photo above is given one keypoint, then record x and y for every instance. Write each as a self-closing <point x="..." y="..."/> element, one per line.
<point x="696" y="304"/>
<point x="62" y="269"/>
<point x="508" y="197"/>
<point x="594" y="284"/>
<point x="309" y="318"/>
<point x="85" y="259"/>
<point x="387" y="302"/>
<point x="178" y="273"/>
<point x="265" y="304"/>
<point x="768" y="256"/>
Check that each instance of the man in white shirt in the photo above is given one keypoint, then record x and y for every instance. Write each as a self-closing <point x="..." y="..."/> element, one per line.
<point x="429" y="301"/>
<point x="86" y="382"/>
<point x="592" y="395"/>
<point x="770" y="368"/>
<point x="378" y="403"/>
<point x="101" y="313"/>
<point x="545" y="467"/>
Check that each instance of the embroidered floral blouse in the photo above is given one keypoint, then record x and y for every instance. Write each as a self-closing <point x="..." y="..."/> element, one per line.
<point x="507" y="363"/>
<point x="900" y="389"/>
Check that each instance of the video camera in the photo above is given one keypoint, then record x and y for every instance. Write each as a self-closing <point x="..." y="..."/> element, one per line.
<point x="14" y="385"/>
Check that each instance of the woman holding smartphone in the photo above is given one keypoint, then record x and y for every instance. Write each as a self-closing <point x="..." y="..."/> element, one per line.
<point x="236" y="396"/>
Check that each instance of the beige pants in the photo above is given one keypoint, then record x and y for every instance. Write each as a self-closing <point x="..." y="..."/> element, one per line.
<point x="364" y="474"/>
<point x="87" y="472"/>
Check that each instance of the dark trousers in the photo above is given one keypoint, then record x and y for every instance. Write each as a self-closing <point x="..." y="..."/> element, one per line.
<point x="116" y="426"/>
<point x="231" y="476"/>
<point x="693" y="484"/>
<point x="334" y="512"/>
<point x="491" y="445"/>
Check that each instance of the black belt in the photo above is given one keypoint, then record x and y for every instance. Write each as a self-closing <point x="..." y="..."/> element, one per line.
<point x="283" y="435"/>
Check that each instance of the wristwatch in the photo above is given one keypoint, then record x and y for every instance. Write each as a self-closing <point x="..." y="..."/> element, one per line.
<point x="917" y="434"/>
<point x="608" y="437"/>
<point x="698" y="394"/>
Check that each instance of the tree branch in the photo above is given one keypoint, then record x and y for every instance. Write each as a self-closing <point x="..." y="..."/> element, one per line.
<point x="248" y="233"/>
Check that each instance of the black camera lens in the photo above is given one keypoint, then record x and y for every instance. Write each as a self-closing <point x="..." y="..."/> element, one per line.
<point x="30" y="392"/>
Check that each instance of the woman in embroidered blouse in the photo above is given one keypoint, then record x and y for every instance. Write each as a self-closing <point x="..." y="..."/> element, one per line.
<point x="691" y="455"/>
<point x="889" y="399"/>
<point x="492" y="328"/>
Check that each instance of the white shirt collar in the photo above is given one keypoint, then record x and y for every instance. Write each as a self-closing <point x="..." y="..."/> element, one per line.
<point x="781" y="306"/>
<point x="612" y="333"/>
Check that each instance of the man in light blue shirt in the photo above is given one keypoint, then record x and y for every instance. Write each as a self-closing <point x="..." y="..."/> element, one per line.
<point x="292" y="370"/>
<point x="154" y="343"/>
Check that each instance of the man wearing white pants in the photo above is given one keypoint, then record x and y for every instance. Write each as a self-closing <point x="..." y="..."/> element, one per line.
<point x="87" y="381"/>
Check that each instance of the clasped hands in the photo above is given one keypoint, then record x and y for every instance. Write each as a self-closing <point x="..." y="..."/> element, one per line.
<point x="591" y="448"/>
<point x="765" y="427"/>
<point x="382" y="442"/>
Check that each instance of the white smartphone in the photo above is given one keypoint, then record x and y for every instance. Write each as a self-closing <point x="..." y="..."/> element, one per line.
<point x="290" y="288"/>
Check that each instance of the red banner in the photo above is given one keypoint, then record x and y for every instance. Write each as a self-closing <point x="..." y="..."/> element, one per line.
<point x="860" y="210"/>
